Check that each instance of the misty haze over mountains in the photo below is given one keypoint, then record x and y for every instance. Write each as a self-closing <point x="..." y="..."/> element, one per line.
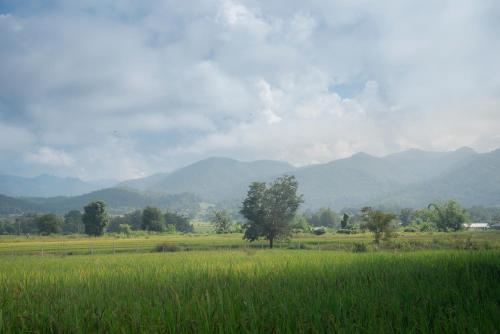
<point x="410" y="178"/>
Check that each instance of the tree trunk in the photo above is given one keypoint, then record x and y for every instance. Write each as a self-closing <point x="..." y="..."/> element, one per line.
<point x="271" y="240"/>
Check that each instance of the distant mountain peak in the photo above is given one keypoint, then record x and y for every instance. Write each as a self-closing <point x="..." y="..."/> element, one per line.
<point x="362" y="155"/>
<point x="465" y="149"/>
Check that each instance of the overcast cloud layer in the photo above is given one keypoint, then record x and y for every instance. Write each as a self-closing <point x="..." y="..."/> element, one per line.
<point x="121" y="89"/>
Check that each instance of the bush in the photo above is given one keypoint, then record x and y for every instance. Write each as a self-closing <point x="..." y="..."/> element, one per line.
<point x="410" y="229"/>
<point x="346" y="231"/>
<point x="125" y="229"/>
<point x="319" y="230"/>
<point x="359" y="247"/>
<point x="166" y="248"/>
<point x="470" y="245"/>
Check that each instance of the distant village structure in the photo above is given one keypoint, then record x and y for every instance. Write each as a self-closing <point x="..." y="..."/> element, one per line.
<point x="477" y="226"/>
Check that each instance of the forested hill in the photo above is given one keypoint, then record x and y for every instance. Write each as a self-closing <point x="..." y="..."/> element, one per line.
<point x="409" y="178"/>
<point x="118" y="200"/>
<point x="48" y="186"/>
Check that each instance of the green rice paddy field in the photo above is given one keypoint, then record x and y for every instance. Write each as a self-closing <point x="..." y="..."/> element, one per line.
<point x="145" y="243"/>
<point x="253" y="290"/>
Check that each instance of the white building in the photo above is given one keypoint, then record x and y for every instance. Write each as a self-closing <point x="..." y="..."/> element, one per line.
<point x="477" y="226"/>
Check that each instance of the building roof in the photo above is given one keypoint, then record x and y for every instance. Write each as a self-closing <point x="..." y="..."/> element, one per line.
<point x="478" y="225"/>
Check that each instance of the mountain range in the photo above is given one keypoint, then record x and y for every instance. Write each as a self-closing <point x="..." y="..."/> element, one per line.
<point x="48" y="185"/>
<point x="410" y="178"/>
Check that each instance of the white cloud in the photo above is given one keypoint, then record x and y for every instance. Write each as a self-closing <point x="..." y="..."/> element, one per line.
<point x="130" y="88"/>
<point x="51" y="157"/>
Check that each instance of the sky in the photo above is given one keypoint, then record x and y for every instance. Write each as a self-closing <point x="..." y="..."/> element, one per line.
<point x="103" y="89"/>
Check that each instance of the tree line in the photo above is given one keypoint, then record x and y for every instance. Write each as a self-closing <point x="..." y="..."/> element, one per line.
<point x="269" y="211"/>
<point x="95" y="220"/>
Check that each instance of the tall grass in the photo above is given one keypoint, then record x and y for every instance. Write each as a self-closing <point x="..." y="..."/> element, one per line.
<point x="254" y="291"/>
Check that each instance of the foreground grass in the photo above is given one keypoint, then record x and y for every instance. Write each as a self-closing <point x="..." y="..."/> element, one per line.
<point x="253" y="291"/>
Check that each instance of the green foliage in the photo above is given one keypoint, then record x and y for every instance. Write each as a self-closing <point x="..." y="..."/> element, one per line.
<point x="73" y="222"/>
<point x="134" y="219"/>
<point x="300" y="224"/>
<point x="378" y="222"/>
<point x="269" y="210"/>
<point x="406" y="216"/>
<point x="449" y="216"/>
<point x="345" y="221"/>
<point x="7" y="226"/>
<point x="319" y="230"/>
<point x="125" y="229"/>
<point x="49" y="224"/>
<point x="347" y="231"/>
<point x="152" y="219"/>
<point x="221" y="221"/>
<point x="359" y="247"/>
<point x="180" y="222"/>
<point x="26" y="224"/>
<point x="95" y="218"/>
<point x="323" y="217"/>
<point x="170" y="228"/>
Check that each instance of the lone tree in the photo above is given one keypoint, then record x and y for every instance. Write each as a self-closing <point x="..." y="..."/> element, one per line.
<point x="270" y="209"/>
<point x="449" y="216"/>
<point x="49" y="224"/>
<point x="95" y="218"/>
<point x="152" y="219"/>
<point x="222" y="222"/>
<point x="378" y="222"/>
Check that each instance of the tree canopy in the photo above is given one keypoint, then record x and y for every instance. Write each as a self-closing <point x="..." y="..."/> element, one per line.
<point x="221" y="221"/>
<point x="449" y="216"/>
<point x="270" y="209"/>
<point x="73" y="222"/>
<point x="49" y="224"/>
<point x="95" y="218"/>
<point x="378" y="222"/>
<point x="152" y="219"/>
<point x="180" y="222"/>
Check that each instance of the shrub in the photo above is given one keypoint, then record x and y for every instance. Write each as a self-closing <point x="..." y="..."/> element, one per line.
<point x="359" y="247"/>
<point x="346" y="231"/>
<point x="470" y="245"/>
<point x="125" y="229"/>
<point x="166" y="248"/>
<point x="319" y="230"/>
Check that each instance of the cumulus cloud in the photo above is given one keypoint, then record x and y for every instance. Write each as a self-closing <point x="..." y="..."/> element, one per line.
<point x="121" y="89"/>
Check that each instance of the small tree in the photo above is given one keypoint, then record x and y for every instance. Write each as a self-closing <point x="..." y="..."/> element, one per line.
<point x="49" y="224"/>
<point x="221" y="221"/>
<point x="95" y="218"/>
<point x="152" y="219"/>
<point x="269" y="210"/>
<point x="125" y="229"/>
<point x="449" y="216"/>
<point x="378" y="222"/>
